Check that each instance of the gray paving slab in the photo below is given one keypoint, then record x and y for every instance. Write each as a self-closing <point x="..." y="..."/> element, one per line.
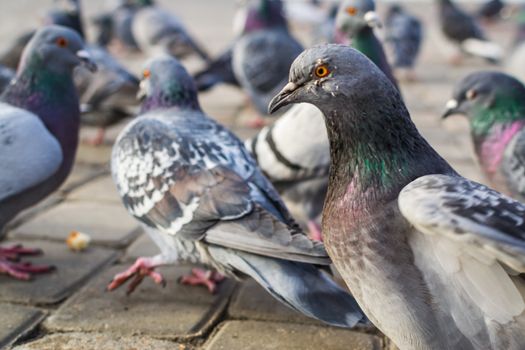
<point x="16" y="321"/>
<point x="94" y="155"/>
<point x="98" y="341"/>
<point x="252" y="302"/>
<point x="257" y="335"/>
<point x="174" y="312"/>
<point x="72" y="271"/>
<point x="108" y="224"/>
<point x="101" y="189"/>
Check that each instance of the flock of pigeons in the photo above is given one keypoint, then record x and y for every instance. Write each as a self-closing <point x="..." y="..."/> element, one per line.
<point x="432" y="259"/>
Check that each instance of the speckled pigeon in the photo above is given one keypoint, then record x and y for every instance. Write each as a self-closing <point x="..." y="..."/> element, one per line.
<point x="404" y="34"/>
<point x="357" y="19"/>
<point x="202" y="198"/>
<point x="39" y="122"/>
<point x="462" y="29"/>
<point x="265" y="51"/>
<point x="495" y="106"/>
<point x="157" y="31"/>
<point x="432" y="258"/>
<point x="293" y="154"/>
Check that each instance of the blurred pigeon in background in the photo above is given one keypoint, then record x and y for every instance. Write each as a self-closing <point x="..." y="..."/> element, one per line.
<point x="432" y="258"/>
<point x="462" y="29"/>
<point x="202" y="198"/>
<point x="403" y="35"/>
<point x="218" y="71"/>
<point x="357" y="19"/>
<point x="490" y="9"/>
<point x="495" y="106"/>
<point x="39" y="123"/>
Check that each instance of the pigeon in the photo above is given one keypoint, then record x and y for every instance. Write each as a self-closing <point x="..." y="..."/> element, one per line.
<point x="431" y="257"/>
<point x="157" y="31"/>
<point x="263" y="54"/>
<point x="494" y="103"/>
<point x="404" y="34"/>
<point x="39" y="123"/>
<point x="218" y="71"/>
<point x="202" y="198"/>
<point x="357" y="19"/>
<point x="490" y="9"/>
<point x="462" y="29"/>
<point x="294" y="155"/>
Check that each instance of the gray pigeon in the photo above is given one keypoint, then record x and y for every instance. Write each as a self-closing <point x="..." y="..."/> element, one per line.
<point x="293" y="154"/>
<point x="39" y="122"/>
<point x="495" y="106"/>
<point x="462" y="29"/>
<point x="265" y="51"/>
<point x="202" y="198"/>
<point x="218" y="71"/>
<point x="357" y="20"/>
<point x="432" y="258"/>
<point x="157" y="31"/>
<point x="404" y="34"/>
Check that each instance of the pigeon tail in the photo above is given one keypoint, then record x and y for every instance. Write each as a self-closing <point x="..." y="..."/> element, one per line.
<point x="484" y="49"/>
<point x="300" y="286"/>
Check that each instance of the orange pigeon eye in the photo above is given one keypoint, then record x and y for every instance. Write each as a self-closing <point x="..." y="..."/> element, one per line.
<point x="146" y="73"/>
<point x="321" y="71"/>
<point x="61" y="42"/>
<point x="351" y="10"/>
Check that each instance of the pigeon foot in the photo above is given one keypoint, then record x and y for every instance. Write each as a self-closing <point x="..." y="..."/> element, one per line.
<point x="256" y="123"/>
<point x="141" y="268"/>
<point x="10" y="265"/>
<point x="209" y="279"/>
<point x="97" y="140"/>
<point x="314" y="231"/>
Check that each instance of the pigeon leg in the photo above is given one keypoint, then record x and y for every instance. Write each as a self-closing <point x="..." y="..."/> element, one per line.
<point x="98" y="139"/>
<point x="10" y="266"/>
<point x="256" y="123"/>
<point x="315" y="231"/>
<point x="207" y="278"/>
<point x="141" y="268"/>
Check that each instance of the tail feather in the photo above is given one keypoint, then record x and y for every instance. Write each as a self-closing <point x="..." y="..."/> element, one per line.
<point x="302" y="287"/>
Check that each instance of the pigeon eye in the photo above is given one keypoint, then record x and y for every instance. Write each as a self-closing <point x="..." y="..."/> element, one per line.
<point x="146" y="73"/>
<point x="321" y="71"/>
<point x="61" y="42"/>
<point x="351" y="10"/>
<point x="471" y="94"/>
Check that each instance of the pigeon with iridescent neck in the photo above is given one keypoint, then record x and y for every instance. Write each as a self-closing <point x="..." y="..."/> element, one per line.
<point x="357" y="20"/>
<point x="39" y="123"/>
<point x="202" y="198"/>
<point x="495" y="106"/>
<point x="432" y="258"/>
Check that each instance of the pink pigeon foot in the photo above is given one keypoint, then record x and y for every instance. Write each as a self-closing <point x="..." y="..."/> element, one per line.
<point x="10" y="265"/>
<point x="97" y="140"/>
<point x="256" y="123"/>
<point x="315" y="231"/>
<point x="209" y="279"/>
<point x="141" y="268"/>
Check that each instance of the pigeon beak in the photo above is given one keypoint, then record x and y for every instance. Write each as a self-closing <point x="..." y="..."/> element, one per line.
<point x="372" y="19"/>
<point x="450" y="108"/>
<point x="283" y="98"/>
<point x="143" y="90"/>
<point x="87" y="61"/>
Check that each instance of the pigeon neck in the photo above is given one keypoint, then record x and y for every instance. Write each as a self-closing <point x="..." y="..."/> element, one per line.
<point x="174" y="96"/>
<point x="53" y="98"/>
<point x="366" y="42"/>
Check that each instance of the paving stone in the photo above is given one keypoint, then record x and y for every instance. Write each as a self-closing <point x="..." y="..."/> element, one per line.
<point x="16" y="321"/>
<point x="98" y="341"/>
<point x="143" y="246"/>
<point x="256" y="335"/>
<point x="82" y="173"/>
<point x="252" y="302"/>
<point x="102" y="189"/>
<point x="174" y="312"/>
<point x="72" y="271"/>
<point x="107" y="223"/>
<point x="97" y="155"/>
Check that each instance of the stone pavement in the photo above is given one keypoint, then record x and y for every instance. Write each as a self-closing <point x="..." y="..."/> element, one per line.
<point x="69" y="308"/>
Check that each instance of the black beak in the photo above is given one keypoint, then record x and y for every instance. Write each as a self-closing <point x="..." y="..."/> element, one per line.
<point x="451" y="108"/>
<point x="283" y="98"/>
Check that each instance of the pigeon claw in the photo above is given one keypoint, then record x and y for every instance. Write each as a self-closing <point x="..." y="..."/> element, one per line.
<point x="10" y="262"/>
<point x="137" y="272"/>
<point x="209" y="279"/>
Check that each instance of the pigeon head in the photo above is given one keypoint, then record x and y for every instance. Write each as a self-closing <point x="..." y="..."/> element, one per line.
<point x="55" y="49"/>
<point x="488" y="98"/>
<point x="165" y="84"/>
<point x="354" y="16"/>
<point x="259" y="14"/>
<point x="329" y="74"/>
